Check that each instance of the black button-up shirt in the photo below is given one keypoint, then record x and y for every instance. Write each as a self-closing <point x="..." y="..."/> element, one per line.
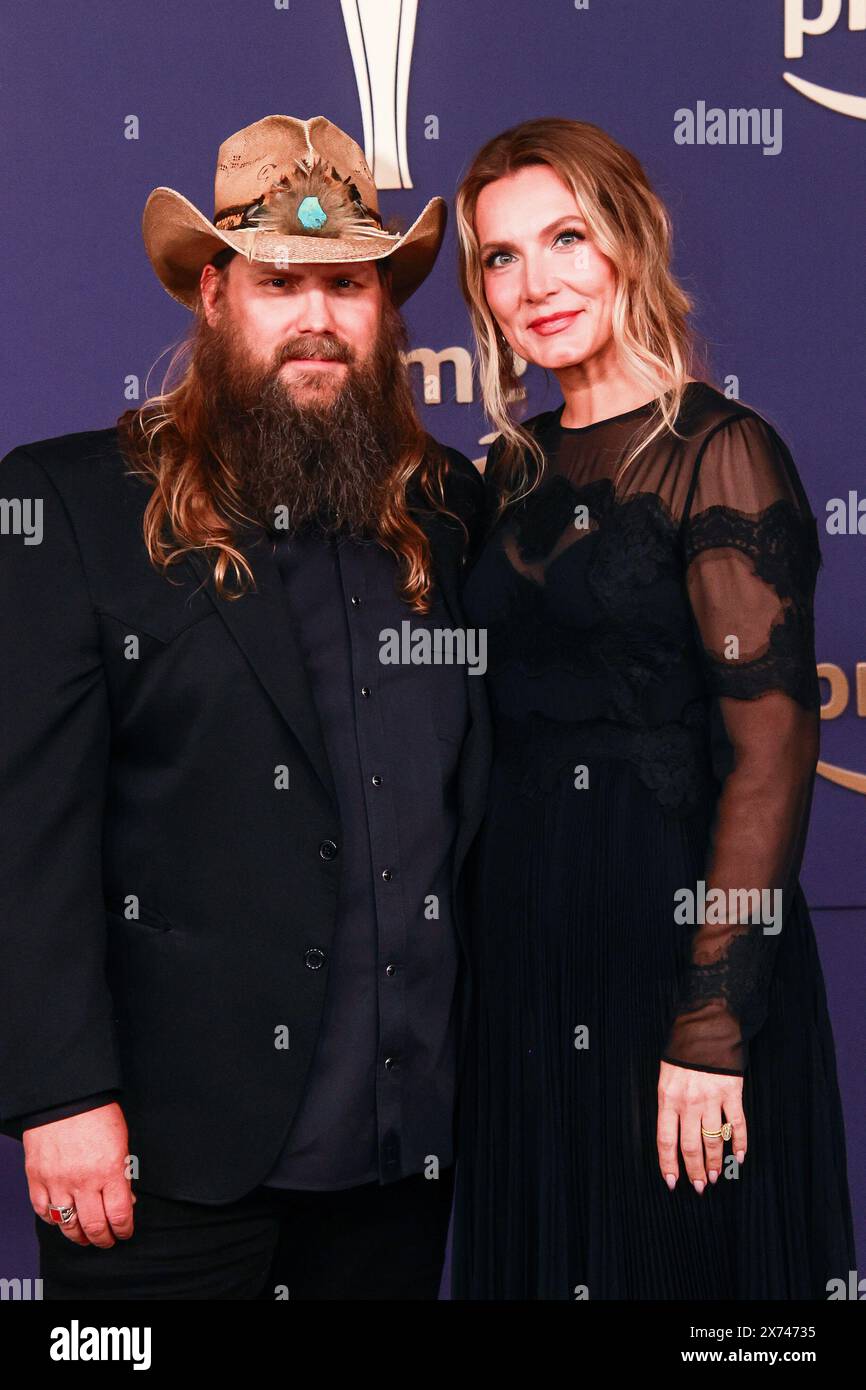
<point x="378" y="1102"/>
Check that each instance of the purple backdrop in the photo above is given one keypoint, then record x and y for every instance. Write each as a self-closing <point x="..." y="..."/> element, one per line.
<point x="769" y="244"/>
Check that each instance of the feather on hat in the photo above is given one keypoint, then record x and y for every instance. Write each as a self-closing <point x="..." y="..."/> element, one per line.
<point x="317" y="200"/>
<point x="309" y="210"/>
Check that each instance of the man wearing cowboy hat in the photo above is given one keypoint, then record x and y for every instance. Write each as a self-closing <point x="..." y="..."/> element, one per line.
<point x="232" y="903"/>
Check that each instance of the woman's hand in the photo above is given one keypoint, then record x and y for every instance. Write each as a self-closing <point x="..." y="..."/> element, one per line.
<point x="688" y="1100"/>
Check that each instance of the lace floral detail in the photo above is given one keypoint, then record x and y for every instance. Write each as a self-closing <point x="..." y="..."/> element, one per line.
<point x="673" y="764"/>
<point x="729" y="997"/>
<point x="781" y="542"/>
<point x="782" y="546"/>
<point x="625" y="663"/>
<point x="784" y="666"/>
<point x="632" y="545"/>
<point x="541" y="519"/>
<point x="739" y="976"/>
<point x="632" y="536"/>
<point x="634" y="549"/>
<point x="671" y="760"/>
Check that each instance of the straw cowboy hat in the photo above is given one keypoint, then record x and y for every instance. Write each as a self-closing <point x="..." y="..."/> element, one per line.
<point x="287" y="190"/>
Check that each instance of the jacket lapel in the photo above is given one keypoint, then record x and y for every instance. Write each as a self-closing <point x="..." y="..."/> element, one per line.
<point x="261" y="624"/>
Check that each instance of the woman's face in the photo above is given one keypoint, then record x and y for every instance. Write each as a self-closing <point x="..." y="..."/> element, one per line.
<point x="549" y="288"/>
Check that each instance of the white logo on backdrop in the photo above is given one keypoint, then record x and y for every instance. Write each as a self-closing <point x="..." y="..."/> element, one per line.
<point x="381" y="34"/>
<point x="797" y="27"/>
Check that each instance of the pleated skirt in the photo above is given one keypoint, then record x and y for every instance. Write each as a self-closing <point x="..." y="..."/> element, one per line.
<point x="576" y="958"/>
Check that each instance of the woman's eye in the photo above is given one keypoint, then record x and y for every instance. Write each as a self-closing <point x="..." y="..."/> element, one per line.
<point x="572" y="231"/>
<point x="491" y="258"/>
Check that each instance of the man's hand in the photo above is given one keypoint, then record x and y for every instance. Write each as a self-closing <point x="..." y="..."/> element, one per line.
<point x="80" y="1162"/>
<point x="689" y="1100"/>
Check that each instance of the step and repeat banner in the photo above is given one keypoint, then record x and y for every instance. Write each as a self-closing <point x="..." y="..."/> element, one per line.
<point x="749" y="117"/>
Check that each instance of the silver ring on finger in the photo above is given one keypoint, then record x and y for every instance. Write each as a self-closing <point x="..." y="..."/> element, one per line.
<point x="61" y="1216"/>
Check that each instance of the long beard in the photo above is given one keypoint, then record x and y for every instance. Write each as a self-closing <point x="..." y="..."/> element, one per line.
<point x="324" y="462"/>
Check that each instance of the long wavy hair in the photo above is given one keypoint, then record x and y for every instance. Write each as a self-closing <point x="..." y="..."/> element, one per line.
<point x="629" y="223"/>
<point x="195" y="503"/>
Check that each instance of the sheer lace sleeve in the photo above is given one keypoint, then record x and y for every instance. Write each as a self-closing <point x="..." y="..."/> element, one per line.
<point x="751" y="556"/>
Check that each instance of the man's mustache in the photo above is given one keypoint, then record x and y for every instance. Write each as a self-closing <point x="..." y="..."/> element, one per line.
<point x="332" y="349"/>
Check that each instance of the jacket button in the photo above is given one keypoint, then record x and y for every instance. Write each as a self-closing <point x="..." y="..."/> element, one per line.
<point x="314" y="959"/>
<point x="328" y="850"/>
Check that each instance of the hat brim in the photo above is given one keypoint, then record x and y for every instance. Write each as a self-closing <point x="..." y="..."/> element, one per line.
<point x="180" y="241"/>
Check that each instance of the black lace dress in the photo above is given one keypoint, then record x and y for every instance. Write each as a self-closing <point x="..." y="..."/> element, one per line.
<point x="652" y="674"/>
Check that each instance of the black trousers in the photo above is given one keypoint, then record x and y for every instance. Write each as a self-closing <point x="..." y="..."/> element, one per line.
<point x="370" y="1242"/>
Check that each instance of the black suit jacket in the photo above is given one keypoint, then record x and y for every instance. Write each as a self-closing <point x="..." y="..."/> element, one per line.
<point x="141" y="722"/>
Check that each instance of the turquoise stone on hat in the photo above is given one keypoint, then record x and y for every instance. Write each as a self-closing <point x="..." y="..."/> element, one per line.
<point x="311" y="213"/>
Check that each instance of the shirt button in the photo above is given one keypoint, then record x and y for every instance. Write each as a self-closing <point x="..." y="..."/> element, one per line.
<point x="390" y="969"/>
<point x="355" y="600"/>
<point x="328" y="850"/>
<point x="314" y="959"/>
<point x="387" y="874"/>
<point x="365" y="691"/>
<point x="376" y="780"/>
<point x="390" y="1062"/>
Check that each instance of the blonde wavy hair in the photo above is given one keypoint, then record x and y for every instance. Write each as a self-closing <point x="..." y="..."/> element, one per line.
<point x="628" y="222"/>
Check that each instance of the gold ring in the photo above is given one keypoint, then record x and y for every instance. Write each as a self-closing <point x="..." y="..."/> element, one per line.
<point x="724" y="1133"/>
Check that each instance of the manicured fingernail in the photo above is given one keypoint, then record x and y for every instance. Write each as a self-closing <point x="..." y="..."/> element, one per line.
<point x="741" y="1154"/>
<point x="670" y="1180"/>
<point x="713" y="1175"/>
<point x="699" y="1184"/>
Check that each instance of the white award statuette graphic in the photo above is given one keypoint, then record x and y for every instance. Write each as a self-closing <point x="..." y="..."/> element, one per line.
<point x="381" y="33"/>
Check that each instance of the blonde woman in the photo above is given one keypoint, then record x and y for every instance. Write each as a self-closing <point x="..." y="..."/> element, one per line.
<point x="650" y="1107"/>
